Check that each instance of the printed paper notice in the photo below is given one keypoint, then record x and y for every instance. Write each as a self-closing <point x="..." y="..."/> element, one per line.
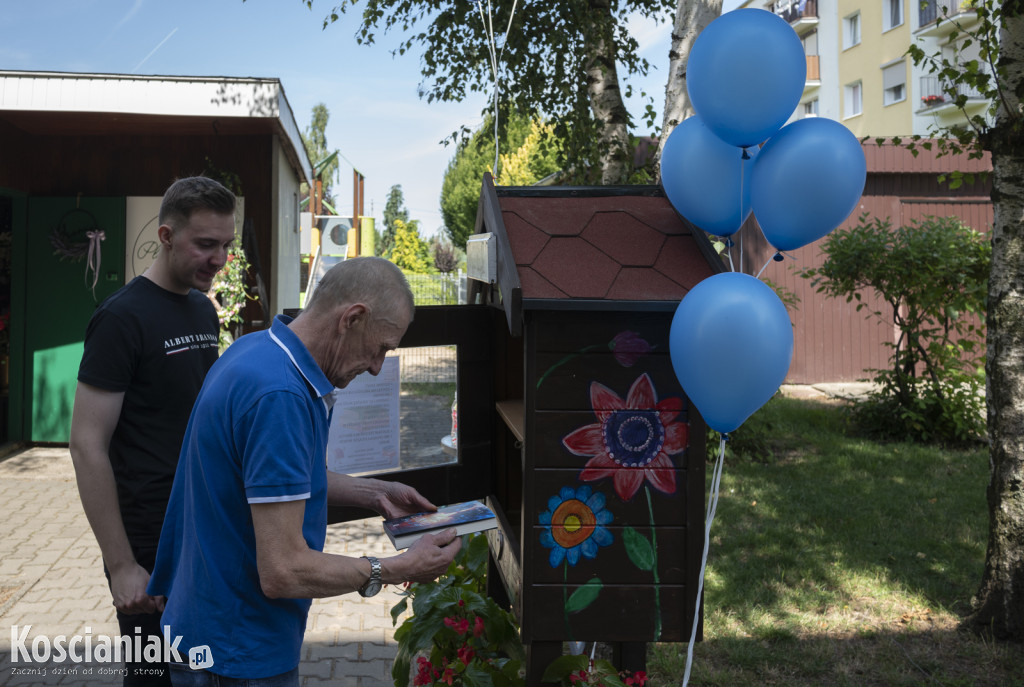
<point x="364" y="434"/>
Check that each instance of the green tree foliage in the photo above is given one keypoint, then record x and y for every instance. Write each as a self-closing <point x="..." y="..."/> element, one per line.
<point x="394" y="211"/>
<point x="410" y="252"/>
<point x="547" y="63"/>
<point x="933" y="274"/>
<point x="315" y="141"/>
<point x="460" y="189"/>
<point x="535" y="159"/>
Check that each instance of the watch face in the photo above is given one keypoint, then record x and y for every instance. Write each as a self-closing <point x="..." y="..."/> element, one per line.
<point x="371" y="588"/>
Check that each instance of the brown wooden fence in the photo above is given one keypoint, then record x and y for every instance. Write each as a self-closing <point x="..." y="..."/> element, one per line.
<point x="832" y="341"/>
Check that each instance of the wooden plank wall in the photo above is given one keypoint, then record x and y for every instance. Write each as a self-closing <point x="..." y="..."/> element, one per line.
<point x="567" y="353"/>
<point x="832" y="341"/>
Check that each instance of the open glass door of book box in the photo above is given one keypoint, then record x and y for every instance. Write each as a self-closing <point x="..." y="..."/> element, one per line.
<point x="461" y="356"/>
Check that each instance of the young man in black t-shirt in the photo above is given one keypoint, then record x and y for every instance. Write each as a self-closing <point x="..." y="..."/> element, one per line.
<point x="147" y="349"/>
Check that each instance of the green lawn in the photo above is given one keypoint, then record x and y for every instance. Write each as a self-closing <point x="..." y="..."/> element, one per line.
<point x="841" y="561"/>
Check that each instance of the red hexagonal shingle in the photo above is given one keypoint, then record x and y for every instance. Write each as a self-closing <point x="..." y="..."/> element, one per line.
<point x="575" y="267"/>
<point x="536" y="286"/>
<point x="526" y="240"/>
<point x="622" y="237"/>
<point x="640" y="284"/>
<point x="682" y="262"/>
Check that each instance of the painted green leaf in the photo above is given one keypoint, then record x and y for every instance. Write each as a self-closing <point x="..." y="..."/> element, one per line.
<point x="584" y="596"/>
<point x="639" y="549"/>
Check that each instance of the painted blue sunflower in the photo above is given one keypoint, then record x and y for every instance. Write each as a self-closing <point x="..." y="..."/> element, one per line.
<point x="574" y="525"/>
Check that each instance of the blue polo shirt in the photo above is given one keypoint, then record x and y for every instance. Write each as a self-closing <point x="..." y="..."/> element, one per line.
<point x="257" y="434"/>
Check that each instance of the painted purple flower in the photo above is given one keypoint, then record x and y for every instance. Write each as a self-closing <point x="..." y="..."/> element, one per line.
<point x="628" y="347"/>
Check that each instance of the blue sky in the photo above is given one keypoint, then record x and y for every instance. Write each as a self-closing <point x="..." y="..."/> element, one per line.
<point x="377" y="121"/>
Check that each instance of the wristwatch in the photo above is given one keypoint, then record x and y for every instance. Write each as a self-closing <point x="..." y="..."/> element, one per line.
<point x="373" y="584"/>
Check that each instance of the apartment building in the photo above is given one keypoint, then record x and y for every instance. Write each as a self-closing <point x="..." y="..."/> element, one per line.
<point x="858" y="72"/>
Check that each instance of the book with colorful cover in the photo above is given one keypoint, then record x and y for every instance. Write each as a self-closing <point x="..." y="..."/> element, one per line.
<point x="466" y="518"/>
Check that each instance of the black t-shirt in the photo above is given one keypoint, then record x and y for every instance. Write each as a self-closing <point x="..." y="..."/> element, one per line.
<point x="156" y="346"/>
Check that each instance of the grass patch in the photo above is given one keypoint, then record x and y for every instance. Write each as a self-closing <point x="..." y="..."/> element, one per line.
<point x="843" y="561"/>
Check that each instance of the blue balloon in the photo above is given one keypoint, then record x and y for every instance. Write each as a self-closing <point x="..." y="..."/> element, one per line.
<point x="745" y="75"/>
<point x="807" y="180"/>
<point x="706" y="179"/>
<point x="731" y="343"/>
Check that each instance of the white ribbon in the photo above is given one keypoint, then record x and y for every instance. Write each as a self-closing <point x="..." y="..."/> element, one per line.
<point x="94" y="258"/>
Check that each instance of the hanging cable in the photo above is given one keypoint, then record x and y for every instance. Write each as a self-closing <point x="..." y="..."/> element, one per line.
<point x="488" y="22"/>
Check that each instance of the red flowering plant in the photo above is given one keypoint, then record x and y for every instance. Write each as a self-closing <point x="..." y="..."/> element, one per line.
<point x="457" y="635"/>
<point x="582" y="671"/>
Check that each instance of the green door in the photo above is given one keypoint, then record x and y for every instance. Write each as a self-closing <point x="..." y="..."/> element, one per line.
<point x="60" y="300"/>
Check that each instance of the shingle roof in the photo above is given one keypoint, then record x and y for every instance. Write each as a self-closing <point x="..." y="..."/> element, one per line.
<point x="611" y="248"/>
<point x="609" y="243"/>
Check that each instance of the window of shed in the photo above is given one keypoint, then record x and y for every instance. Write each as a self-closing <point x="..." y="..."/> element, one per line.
<point x="402" y="419"/>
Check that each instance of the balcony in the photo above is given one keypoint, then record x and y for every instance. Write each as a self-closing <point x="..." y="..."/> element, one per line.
<point x="940" y="17"/>
<point x="797" y="13"/>
<point x="936" y="100"/>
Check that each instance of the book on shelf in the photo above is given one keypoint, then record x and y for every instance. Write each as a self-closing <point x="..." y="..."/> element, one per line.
<point x="466" y="518"/>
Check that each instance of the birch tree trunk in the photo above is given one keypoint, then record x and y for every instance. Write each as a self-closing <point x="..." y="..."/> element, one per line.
<point x="692" y="16"/>
<point x="606" y="102"/>
<point x="999" y="603"/>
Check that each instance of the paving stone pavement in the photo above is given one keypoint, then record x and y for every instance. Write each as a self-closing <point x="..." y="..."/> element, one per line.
<point x="51" y="578"/>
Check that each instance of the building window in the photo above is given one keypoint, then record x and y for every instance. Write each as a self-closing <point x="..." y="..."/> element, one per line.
<point x="892" y="14"/>
<point x="810" y="108"/>
<point x="851" y="31"/>
<point x="853" y="102"/>
<point x="894" y="83"/>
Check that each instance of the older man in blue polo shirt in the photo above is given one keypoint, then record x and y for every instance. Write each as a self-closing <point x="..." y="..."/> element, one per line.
<point x="241" y="551"/>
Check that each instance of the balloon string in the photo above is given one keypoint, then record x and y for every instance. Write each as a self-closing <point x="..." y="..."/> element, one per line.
<point x="746" y="156"/>
<point x="741" y="251"/>
<point x="709" y="517"/>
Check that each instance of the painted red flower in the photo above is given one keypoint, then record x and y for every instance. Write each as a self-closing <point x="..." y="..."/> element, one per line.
<point x="632" y="440"/>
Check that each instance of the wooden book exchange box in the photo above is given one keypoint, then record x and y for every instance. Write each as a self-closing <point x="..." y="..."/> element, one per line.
<point x="571" y="421"/>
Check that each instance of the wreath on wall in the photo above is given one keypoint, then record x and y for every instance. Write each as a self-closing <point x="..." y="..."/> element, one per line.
<point x="77" y="236"/>
<point x="71" y="237"/>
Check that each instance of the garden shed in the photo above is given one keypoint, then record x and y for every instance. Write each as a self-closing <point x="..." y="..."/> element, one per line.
<point x="571" y="421"/>
<point x="599" y="455"/>
<point x="94" y="153"/>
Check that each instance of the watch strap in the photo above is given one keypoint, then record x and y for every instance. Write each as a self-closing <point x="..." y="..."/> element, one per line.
<point x="374" y="580"/>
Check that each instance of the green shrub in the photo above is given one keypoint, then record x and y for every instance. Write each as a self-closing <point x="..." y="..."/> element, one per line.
<point x="933" y="274"/>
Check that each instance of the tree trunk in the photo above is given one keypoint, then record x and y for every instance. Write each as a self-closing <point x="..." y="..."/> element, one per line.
<point x="999" y="604"/>
<point x="606" y="97"/>
<point x="692" y="17"/>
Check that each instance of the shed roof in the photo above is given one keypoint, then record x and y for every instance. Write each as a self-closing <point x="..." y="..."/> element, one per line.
<point x="81" y="104"/>
<point x="602" y="247"/>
